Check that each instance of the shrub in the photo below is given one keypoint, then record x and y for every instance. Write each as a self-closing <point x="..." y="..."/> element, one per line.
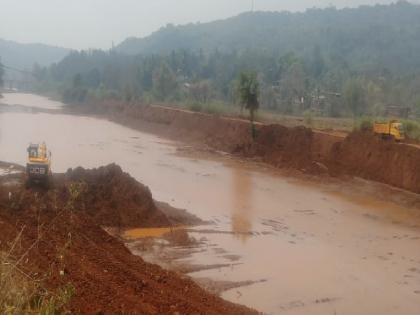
<point x="75" y="95"/>
<point x="195" y="107"/>
<point x="411" y="129"/>
<point x="215" y="108"/>
<point x="307" y="117"/>
<point x="363" y="124"/>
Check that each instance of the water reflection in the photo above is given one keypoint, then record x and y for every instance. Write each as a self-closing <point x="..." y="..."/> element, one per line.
<point x="242" y="203"/>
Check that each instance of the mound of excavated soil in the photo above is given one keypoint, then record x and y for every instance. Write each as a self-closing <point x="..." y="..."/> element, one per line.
<point x="61" y="243"/>
<point x="112" y="197"/>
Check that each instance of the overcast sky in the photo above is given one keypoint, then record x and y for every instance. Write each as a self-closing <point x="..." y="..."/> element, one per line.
<point x="81" y="24"/>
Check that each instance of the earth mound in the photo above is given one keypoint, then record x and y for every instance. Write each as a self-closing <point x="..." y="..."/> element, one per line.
<point x="54" y="238"/>
<point x="112" y="197"/>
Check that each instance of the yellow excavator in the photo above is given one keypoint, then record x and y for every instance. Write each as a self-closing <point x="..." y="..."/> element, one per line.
<point x="38" y="167"/>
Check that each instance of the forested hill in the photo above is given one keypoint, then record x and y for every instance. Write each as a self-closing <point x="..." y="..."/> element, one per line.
<point x="332" y="62"/>
<point x="24" y="56"/>
<point x="387" y="35"/>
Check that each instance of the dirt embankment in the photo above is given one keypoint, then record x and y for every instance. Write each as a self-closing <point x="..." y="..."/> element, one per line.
<point x="370" y="157"/>
<point x="60" y="243"/>
<point x="359" y="154"/>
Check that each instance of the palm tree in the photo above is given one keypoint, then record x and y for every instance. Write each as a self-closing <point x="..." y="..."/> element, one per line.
<point x="248" y="91"/>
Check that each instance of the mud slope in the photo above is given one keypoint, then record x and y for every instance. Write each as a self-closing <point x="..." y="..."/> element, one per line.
<point x="61" y="243"/>
<point x="214" y="131"/>
<point x="298" y="147"/>
<point x="360" y="154"/>
<point x="368" y="156"/>
<point x="281" y="147"/>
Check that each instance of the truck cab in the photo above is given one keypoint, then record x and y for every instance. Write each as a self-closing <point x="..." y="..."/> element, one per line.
<point x="397" y="131"/>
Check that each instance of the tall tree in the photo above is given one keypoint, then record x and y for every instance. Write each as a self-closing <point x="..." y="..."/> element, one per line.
<point x="248" y="91"/>
<point x="318" y="63"/>
<point x="355" y="97"/>
<point x="164" y="82"/>
<point x="201" y="91"/>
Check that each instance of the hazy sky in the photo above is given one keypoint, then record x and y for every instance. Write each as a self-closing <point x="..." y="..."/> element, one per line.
<point x="96" y="23"/>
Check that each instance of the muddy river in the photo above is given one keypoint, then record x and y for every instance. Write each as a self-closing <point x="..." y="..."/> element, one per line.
<point x="303" y="246"/>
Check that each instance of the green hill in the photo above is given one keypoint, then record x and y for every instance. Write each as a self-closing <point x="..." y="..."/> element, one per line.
<point x="375" y="36"/>
<point x="332" y="62"/>
<point x="24" y="56"/>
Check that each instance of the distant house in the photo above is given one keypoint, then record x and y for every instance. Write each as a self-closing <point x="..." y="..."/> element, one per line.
<point x="397" y="111"/>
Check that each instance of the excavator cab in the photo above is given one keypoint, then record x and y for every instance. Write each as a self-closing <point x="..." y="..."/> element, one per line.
<point x="38" y="167"/>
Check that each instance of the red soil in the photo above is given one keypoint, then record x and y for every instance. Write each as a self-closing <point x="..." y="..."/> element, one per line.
<point x="368" y="156"/>
<point x="61" y="232"/>
<point x="114" y="198"/>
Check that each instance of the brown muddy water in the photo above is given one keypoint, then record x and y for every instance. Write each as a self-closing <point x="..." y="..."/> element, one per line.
<point x="303" y="246"/>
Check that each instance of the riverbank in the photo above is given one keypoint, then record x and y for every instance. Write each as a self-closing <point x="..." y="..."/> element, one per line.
<point x="56" y="239"/>
<point x="359" y="154"/>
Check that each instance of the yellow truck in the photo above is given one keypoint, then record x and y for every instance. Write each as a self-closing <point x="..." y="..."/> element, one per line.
<point x="392" y="130"/>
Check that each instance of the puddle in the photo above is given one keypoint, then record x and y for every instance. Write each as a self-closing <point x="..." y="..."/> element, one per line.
<point x="148" y="232"/>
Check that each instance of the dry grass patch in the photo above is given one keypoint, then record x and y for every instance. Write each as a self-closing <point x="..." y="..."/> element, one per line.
<point x="20" y="294"/>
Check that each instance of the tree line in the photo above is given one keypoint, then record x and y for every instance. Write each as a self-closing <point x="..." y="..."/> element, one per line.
<point x="328" y="62"/>
<point x="289" y="83"/>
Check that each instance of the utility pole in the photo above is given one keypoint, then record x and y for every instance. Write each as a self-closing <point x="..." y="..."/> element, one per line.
<point x="253" y="5"/>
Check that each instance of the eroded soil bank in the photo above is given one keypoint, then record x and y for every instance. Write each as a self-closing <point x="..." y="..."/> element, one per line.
<point x="359" y="154"/>
<point x="58" y="239"/>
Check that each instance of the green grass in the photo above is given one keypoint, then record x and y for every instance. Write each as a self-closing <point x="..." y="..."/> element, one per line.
<point x="411" y="127"/>
<point x="214" y="108"/>
<point x="307" y="120"/>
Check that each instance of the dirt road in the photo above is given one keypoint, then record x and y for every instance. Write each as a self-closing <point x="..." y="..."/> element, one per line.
<point x="311" y="246"/>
